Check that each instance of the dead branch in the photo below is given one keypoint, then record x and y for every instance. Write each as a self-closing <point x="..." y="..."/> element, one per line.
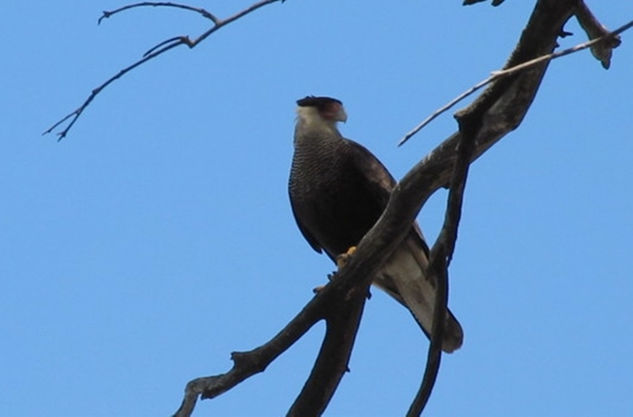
<point x="601" y="46"/>
<point x="347" y="305"/>
<point x="470" y="2"/>
<point x="439" y="260"/>
<point x="155" y="51"/>
<point x="206" y="14"/>
<point x="594" y="29"/>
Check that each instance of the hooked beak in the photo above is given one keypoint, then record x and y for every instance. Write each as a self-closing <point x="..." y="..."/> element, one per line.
<point x="341" y="116"/>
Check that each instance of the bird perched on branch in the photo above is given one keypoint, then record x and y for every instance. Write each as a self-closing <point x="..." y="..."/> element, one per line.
<point x="338" y="190"/>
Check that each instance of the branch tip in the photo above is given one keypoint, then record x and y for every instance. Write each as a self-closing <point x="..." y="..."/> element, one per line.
<point x="105" y="14"/>
<point x="601" y="48"/>
<point x="161" y="47"/>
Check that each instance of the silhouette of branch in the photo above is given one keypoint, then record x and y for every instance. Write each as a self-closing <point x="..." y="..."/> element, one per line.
<point x="601" y="47"/>
<point x="471" y="2"/>
<point x="154" y="52"/>
<point x="106" y="14"/>
<point x="340" y="303"/>
<point x="439" y="259"/>
<point x="503" y="103"/>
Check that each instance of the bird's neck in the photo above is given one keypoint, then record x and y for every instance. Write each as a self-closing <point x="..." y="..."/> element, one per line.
<point x="312" y="126"/>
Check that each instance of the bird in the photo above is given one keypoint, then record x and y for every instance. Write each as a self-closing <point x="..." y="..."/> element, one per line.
<point x="338" y="189"/>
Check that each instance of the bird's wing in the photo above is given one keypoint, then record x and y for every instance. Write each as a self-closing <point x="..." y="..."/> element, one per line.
<point x="402" y="276"/>
<point x="376" y="182"/>
<point x="379" y="180"/>
<point x="304" y="230"/>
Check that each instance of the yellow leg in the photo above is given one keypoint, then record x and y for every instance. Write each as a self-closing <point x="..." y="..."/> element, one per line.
<point x="343" y="258"/>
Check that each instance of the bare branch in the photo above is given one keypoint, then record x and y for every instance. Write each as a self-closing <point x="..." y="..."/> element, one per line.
<point x="155" y="51"/>
<point x="609" y="38"/>
<point x="167" y="42"/>
<point x="602" y="50"/>
<point x="510" y="96"/>
<point x="236" y="16"/>
<point x="439" y="260"/>
<point x="73" y="116"/>
<point x="246" y="364"/>
<point x="107" y="14"/>
<point x="340" y="303"/>
<point x="471" y="2"/>
<point x="332" y="363"/>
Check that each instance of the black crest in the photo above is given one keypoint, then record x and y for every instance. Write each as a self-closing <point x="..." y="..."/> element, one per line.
<point x="318" y="102"/>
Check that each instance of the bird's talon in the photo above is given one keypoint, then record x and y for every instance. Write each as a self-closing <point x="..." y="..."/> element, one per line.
<point x="343" y="258"/>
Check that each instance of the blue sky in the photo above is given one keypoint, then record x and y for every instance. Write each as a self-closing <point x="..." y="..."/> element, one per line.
<point x="140" y="251"/>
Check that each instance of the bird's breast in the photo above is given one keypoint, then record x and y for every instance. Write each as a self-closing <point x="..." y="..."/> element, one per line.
<point x="332" y="199"/>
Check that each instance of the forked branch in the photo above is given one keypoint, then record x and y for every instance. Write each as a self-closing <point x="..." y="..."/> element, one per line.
<point x="601" y="48"/>
<point x="154" y="52"/>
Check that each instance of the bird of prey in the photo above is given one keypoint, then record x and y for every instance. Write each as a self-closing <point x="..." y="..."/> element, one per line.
<point x="338" y="190"/>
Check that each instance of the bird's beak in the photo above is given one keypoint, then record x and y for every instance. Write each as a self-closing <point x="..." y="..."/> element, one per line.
<point x="341" y="116"/>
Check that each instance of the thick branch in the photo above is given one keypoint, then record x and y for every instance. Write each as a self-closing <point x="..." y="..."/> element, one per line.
<point x="601" y="47"/>
<point x="246" y="364"/>
<point x="332" y="362"/>
<point x="341" y="304"/>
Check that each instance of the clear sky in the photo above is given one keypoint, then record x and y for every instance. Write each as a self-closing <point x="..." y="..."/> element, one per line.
<point x="140" y="251"/>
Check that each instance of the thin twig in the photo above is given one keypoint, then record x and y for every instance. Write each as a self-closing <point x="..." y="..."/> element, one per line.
<point x="175" y="39"/>
<point x="106" y="14"/>
<point x="75" y="114"/>
<point x="495" y="75"/>
<point x="155" y="51"/>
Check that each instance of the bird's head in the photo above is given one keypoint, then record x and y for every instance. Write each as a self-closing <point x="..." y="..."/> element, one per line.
<point x="321" y="109"/>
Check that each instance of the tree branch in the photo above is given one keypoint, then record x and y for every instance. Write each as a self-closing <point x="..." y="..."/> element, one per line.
<point x="439" y="259"/>
<point x="341" y="305"/>
<point x="332" y="362"/>
<point x="471" y="2"/>
<point x="246" y="364"/>
<point x="594" y="29"/>
<point x="106" y="14"/>
<point x="601" y="48"/>
<point x="154" y="52"/>
<point x="470" y="123"/>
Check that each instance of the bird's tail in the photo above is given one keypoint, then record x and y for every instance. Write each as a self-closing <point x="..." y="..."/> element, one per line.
<point x="403" y="278"/>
